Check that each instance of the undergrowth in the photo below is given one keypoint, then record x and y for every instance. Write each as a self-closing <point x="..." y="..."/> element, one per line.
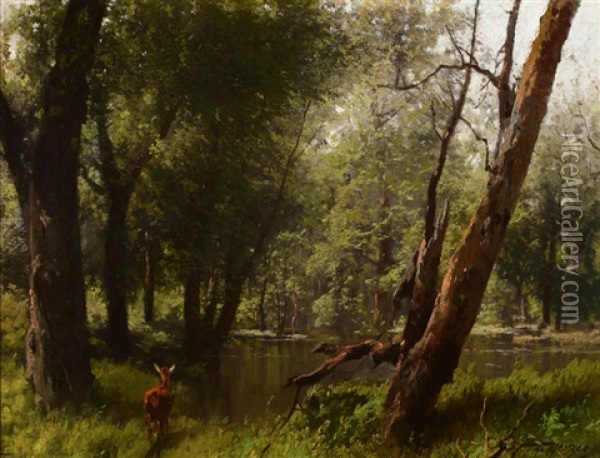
<point x="335" y="421"/>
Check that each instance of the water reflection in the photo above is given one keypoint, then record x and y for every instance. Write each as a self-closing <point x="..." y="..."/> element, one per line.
<point x="247" y="380"/>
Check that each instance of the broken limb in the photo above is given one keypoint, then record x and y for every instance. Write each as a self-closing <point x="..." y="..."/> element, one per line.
<point x="377" y="351"/>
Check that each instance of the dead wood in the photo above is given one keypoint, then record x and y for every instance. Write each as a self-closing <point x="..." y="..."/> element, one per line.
<point x="377" y="351"/>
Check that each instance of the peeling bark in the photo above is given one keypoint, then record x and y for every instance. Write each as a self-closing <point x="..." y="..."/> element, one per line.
<point x="430" y="364"/>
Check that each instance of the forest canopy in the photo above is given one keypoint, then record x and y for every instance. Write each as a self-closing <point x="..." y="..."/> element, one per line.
<point x="295" y="167"/>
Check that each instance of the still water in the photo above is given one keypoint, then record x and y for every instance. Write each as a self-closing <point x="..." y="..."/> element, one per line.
<point x="249" y="375"/>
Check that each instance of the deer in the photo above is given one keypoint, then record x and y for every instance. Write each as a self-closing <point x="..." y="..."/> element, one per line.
<point x="158" y="402"/>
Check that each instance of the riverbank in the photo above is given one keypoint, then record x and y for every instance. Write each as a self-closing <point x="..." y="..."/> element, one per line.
<point x="343" y="420"/>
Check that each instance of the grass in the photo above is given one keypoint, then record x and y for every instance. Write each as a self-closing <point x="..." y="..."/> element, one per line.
<point x="336" y="421"/>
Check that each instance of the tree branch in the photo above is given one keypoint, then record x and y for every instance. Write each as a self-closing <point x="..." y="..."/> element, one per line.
<point x="505" y="93"/>
<point x="378" y="352"/>
<point x="473" y="66"/>
<point x="589" y="134"/>
<point x="481" y="139"/>
<point x="96" y="187"/>
<point x="456" y="46"/>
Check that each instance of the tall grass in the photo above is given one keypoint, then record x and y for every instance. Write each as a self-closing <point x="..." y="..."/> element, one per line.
<point x="336" y="421"/>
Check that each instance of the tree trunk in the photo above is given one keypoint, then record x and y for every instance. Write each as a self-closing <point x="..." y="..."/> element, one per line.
<point x="508" y="313"/>
<point x="261" y="305"/>
<point x="233" y="286"/>
<point x="119" y="187"/>
<point x="524" y="311"/>
<point x="115" y="274"/>
<point x="294" y="322"/>
<point x="384" y="312"/>
<point x="150" y="260"/>
<point x="191" y="314"/>
<point x="419" y="378"/>
<point x="56" y="341"/>
<point x="548" y="280"/>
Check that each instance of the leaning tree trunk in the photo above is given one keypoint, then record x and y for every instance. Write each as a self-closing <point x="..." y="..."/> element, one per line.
<point x="430" y="364"/>
<point x="56" y="341"/>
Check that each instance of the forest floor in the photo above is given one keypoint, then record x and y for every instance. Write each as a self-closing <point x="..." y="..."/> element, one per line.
<point x="335" y="421"/>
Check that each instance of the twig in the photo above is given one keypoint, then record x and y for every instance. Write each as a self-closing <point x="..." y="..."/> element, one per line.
<point x="456" y="46"/>
<point x="589" y="134"/>
<point x="488" y="74"/>
<point x="486" y="433"/>
<point x="502" y="443"/>
<point x="460" y="450"/>
<point x="287" y="419"/>
<point x="481" y="139"/>
<point x="432" y="116"/>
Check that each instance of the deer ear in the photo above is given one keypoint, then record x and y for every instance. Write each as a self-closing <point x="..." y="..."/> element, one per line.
<point x="157" y="368"/>
<point x="172" y="369"/>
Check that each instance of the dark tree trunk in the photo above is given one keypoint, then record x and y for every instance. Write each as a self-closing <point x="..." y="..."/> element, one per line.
<point x="119" y="187"/>
<point x="430" y="364"/>
<point x="549" y="269"/>
<point x="294" y="322"/>
<point x="212" y="299"/>
<point x="524" y="312"/>
<point x="425" y="284"/>
<point x="191" y="314"/>
<point x="278" y="303"/>
<point x="261" y="305"/>
<point x="284" y="315"/>
<point x="232" y="292"/>
<point x="56" y="341"/>
<point x="115" y="274"/>
<point x="150" y="260"/>
<point x="519" y="300"/>
<point x="384" y="313"/>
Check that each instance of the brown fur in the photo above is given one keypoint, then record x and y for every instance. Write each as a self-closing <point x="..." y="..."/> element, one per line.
<point x="158" y="403"/>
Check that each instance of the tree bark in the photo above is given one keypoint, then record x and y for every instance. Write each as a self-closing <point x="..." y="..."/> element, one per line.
<point x="119" y="187"/>
<point x="56" y="341"/>
<point x="384" y="313"/>
<point x="233" y="285"/>
<point x="116" y="271"/>
<point x="150" y="260"/>
<point x="430" y="364"/>
<point x="261" y="305"/>
<point x="191" y="314"/>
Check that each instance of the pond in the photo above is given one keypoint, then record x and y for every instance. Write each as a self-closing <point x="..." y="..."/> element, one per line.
<point x="250" y="374"/>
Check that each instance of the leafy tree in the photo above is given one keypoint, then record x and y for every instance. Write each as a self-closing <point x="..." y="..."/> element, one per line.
<point x="222" y="181"/>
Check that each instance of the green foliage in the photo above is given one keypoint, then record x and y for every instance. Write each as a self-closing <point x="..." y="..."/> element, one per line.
<point x="345" y="415"/>
<point x="13" y="249"/>
<point x="15" y="321"/>
<point x="338" y="420"/>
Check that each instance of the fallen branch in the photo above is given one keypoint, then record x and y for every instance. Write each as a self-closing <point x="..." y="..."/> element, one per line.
<point x="377" y="351"/>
